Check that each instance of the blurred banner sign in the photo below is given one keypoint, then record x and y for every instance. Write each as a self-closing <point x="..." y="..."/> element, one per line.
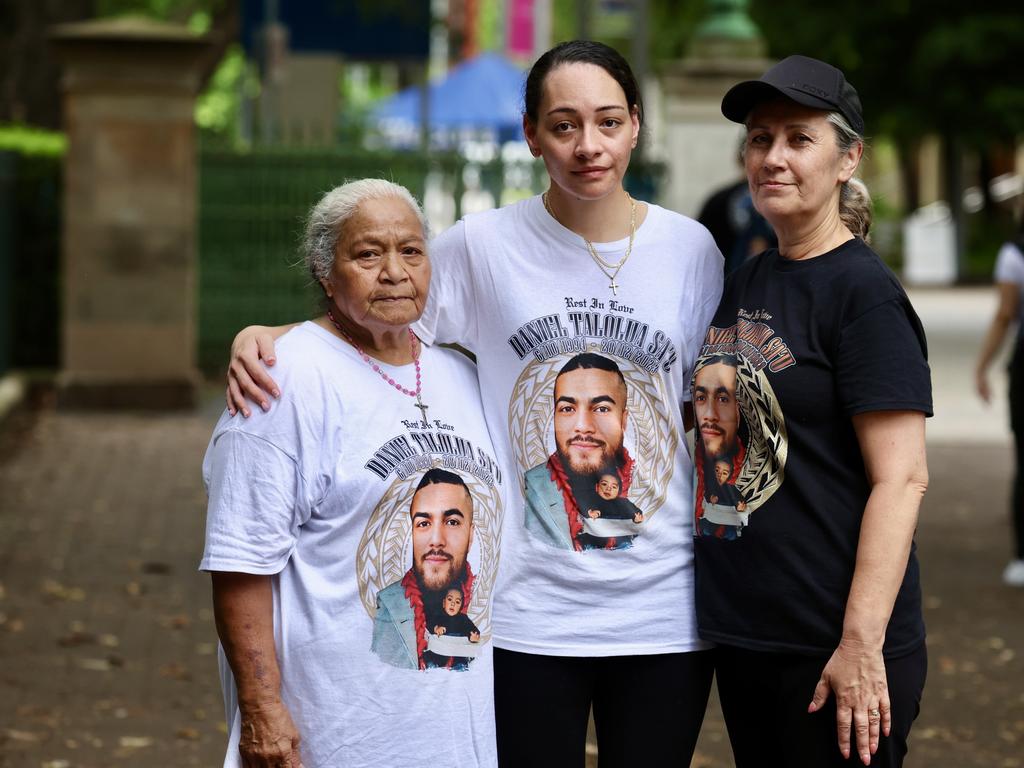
<point x="520" y="34"/>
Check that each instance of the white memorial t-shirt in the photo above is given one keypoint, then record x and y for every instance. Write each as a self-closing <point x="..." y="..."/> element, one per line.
<point x="319" y="493"/>
<point x="598" y="543"/>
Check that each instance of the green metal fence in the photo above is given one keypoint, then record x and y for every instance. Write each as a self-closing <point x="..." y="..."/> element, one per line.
<point x="251" y="209"/>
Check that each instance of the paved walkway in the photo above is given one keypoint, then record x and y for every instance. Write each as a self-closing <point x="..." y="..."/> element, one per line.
<point x="107" y="641"/>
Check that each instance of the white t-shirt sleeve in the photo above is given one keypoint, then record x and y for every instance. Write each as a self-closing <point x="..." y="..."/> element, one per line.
<point x="255" y="505"/>
<point x="1010" y="265"/>
<point x="450" y="313"/>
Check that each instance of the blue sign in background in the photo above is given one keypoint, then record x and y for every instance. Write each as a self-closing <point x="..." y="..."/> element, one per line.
<point x="357" y="29"/>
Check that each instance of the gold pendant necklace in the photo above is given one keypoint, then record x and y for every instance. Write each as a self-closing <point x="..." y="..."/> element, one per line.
<point x="610" y="270"/>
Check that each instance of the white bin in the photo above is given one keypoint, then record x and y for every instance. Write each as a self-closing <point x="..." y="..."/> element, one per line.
<point x="929" y="246"/>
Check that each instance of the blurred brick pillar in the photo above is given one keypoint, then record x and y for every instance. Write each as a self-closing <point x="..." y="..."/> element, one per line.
<point x="129" y="214"/>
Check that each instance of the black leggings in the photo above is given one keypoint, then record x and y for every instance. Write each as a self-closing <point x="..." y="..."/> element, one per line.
<point x="647" y="709"/>
<point x="1017" y="425"/>
<point x="764" y="700"/>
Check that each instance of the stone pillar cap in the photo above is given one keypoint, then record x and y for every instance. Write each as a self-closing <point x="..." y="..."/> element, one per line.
<point x="127" y="29"/>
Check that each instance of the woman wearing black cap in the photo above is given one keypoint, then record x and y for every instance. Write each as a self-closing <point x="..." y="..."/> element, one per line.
<point x="812" y="593"/>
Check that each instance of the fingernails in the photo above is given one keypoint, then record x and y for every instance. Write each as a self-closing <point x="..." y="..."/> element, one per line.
<point x="245" y="412"/>
<point x="264" y="405"/>
<point x="276" y="393"/>
<point x="865" y="758"/>
<point x="231" y="411"/>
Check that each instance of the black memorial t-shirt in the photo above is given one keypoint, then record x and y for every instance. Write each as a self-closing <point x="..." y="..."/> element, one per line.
<point x="795" y="350"/>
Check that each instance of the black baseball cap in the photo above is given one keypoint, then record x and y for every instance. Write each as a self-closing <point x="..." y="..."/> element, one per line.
<point x="806" y="81"/>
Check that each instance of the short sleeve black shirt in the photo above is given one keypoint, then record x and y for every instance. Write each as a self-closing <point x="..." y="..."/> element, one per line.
<point x="796" y="349"/>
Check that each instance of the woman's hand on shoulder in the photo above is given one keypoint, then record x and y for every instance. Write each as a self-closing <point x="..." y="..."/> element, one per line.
<point x="248" y="380"/>
<point x="269" y="738"/>
<point x="856" y="676"/>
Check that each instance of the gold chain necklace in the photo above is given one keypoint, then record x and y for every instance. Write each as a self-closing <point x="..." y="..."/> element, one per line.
<point x="610" y="270"/>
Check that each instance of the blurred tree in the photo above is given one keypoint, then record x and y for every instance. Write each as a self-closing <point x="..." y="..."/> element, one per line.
<point x="29" y="68"/>
<point x="922" y="67"/>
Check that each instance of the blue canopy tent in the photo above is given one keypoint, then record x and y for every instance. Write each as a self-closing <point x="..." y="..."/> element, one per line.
<point x="482" y="96"/>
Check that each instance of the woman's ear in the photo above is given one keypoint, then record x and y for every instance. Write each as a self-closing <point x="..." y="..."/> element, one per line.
<point x="530" y="132"/>
<point x="634" y="118"/>
<point x="850" y="161"/>
<point x="325" y="283"/>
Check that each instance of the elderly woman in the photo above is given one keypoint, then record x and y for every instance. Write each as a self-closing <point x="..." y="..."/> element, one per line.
<point x="813" y="419"/>
<point x="341" y="519"/>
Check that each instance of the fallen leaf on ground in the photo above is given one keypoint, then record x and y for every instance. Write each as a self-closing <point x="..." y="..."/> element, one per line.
<point x="26" y="736"/>
<point x="180" y="621"/>
<point x="175" y="671"/>
<point x="94" y="665"/>
<point x="75" y="639"/>
<point x="57" y="591"/>
<point x="191" y="734"/>
<point x="135" y="742"/>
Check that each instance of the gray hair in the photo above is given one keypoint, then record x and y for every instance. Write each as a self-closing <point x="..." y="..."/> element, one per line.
<point x="854" y="198"/>
<point x="328" y="218"/>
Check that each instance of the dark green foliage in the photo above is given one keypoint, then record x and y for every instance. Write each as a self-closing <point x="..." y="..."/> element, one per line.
<point x="921" y="66"/>
<point x="30" y="192"/>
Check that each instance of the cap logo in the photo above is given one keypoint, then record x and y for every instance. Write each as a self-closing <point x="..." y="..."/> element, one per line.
<point x="815" y="90"/>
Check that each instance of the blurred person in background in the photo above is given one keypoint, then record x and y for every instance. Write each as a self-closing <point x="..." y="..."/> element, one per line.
<point x="740" y="232"/>
<point x="1009" y="278"/>
<point x="816" y="607"/>
<point x="582" y="267"/>
<point x="298" y="492"/>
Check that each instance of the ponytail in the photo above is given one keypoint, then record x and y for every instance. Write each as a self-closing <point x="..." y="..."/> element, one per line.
<point x="855" y="207"/>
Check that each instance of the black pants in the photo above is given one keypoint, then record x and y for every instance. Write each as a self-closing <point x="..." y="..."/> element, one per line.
<point x="1017" y="425"/>
<point x="765" y="696"/>
<point x="647" y="709"/>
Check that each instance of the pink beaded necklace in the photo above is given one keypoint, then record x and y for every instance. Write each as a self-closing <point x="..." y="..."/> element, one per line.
<point x="377" y="369"/>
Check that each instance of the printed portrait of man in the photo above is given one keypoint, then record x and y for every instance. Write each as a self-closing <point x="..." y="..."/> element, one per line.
<point x="720" y="448"/>
<point x="715" y="407"/>
<point x="441" y="513"/>
<point x="564" y="505"/>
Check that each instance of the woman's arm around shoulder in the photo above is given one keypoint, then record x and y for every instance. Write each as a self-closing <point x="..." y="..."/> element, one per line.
<point x="248" y="380"/>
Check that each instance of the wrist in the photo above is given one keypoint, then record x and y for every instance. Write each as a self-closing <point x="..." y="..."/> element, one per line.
<point x="860" y="641"/>
<point x="256" y="702"/>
